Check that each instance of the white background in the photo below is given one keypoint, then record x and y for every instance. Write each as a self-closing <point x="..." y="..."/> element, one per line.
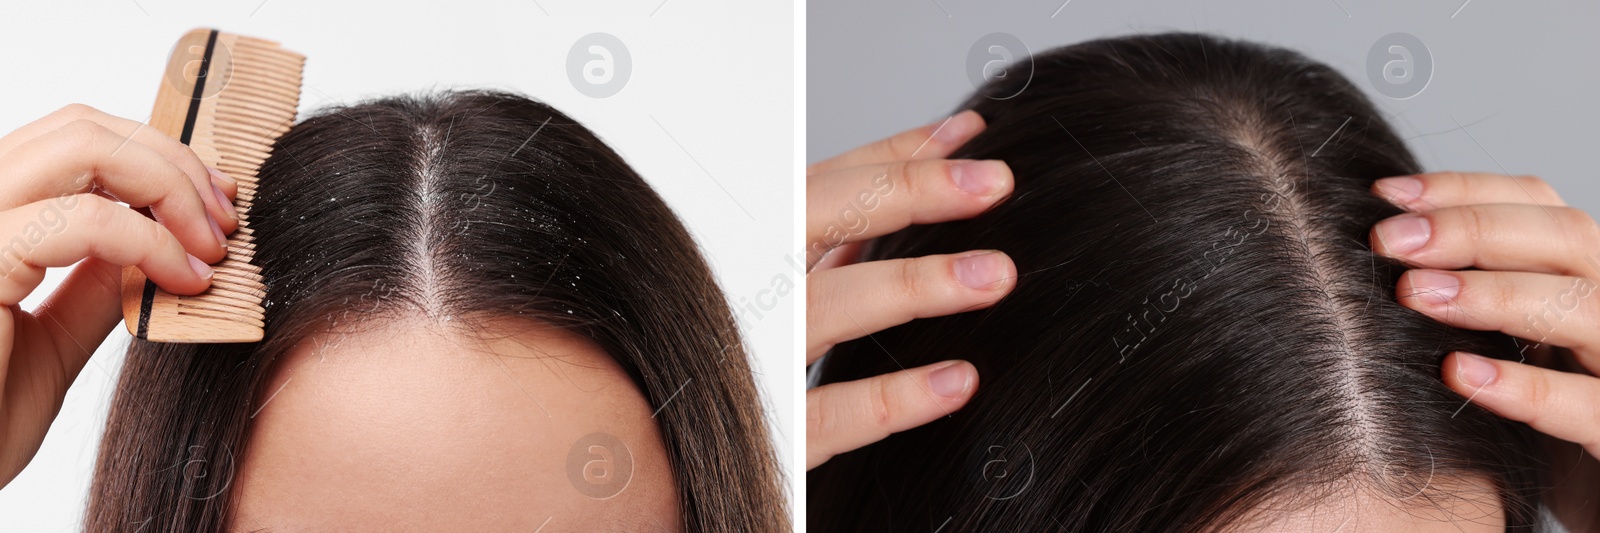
<point x="717" y="77"/>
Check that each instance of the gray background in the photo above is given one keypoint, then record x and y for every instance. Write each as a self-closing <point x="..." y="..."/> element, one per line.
<point x="1521" y="77"/>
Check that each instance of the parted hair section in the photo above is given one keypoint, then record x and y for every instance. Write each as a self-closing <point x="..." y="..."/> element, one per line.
<point x="1199" y="332"/>
<point x="462" y="206"/>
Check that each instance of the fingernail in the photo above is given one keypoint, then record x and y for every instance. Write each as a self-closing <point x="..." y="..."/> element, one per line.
<point x="218" y="175"/>
<point x="958" y="128"/>
<point x="981" y="270"/>
<point x="1474" y="370"/>
<point x="227" y="205"/>
<point x="200" y="267"/>
<point x="216" y="229"/>
<point x="1400" y="190"/>
<point x="1434" y="287"/>
<point x="979" y="178"/>
<point x="951" y="380"/>
<point x="1404" y="234"/>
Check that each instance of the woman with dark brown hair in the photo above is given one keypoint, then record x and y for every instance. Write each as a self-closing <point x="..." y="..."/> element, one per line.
<point x="478" y="317"/>
<point x="1222" y="299"/>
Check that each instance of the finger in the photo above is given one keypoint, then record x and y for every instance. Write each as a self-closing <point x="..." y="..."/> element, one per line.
<point x="81" y="155"/>
<point x="1548" y="239"/>
<point x="82" y="311"/>
<point x="857" y="300"/>
<point x="839" y="256"/>
<point x="58" y="232"/>
<point x="170" y="149"/>
<point x="228" y="185"/>
<point x="1543" y="308"/>
<point x="844" y="416"/>
<point x="933" y="141"/>
<point x="1436" y="190"/>
<point x="224" y="189"/>
<point x="1560" y="404"/>
<point x="860" y="203"/>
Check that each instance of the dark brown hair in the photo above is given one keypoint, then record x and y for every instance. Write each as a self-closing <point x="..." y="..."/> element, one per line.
<point x="466" y="204"/>
<point x="1198" y="329"/>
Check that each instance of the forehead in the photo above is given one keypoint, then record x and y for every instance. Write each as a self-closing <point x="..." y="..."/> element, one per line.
<point x="1448" y="505"/>
<point x="413" y="426"/>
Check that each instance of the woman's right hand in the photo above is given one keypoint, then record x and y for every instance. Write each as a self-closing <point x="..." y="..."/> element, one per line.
<point x="60" y="180"/>
<point x="872" y="191"/>
<point x="1536" y="267"/>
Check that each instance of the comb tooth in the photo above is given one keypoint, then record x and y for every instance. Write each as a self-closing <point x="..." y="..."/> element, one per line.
<point x="257" y="41"/>
<point x="244" y="128"/>
<point x="227" y="113"/>
<point x="241" y="300"/>
<point x="240" y="161"/>
<point x="277" y="55"/>
<point x="240" y="285"/>
<point x="222" y="312"/>
<point x="248" y="85"/>
<point x="240" y="292"/>
<point x="269" y="55"/>
<point x="242" y="152"/>
<point x="238" y="266"/>
<point x="238" y="149"/>
<point x="252" y="91"/>
<point x="257" y="117"/>
<point x="272" y="89"/>
<point x="270" y="59"/>
<point x="244" y="282"/>
<point x="268" y="69"/>
<point x="263" y="59"/>
<point x="219" y="293"/>
<point x="245" y="175"/>
<point x="258" y="61"/>
<point x="273" y="109"/>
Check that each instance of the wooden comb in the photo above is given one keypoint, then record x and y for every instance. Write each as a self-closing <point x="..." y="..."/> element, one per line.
<point x="229" y="97"/>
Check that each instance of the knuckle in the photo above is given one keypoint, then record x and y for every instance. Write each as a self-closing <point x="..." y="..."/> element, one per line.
<point x="1471" y="221"/>
<point x="903" y="175"/>
<point x="75" y="111"/>
<point x="1492" y="291"/>
<point x="1578" y="298"/>
<point x="1536" y="187"/>
<point x="1451" y="179"/>
<point x="903" y="145"/>
<point x="1536" y="393"/>
<point x="910" y="279"/>
<point x="1586" y="233"/>
<point x="816" y="416"/>
<point x="96" y="211"/>
<point x="882" y="407"/>
<point x="80" y="134"/>
<point x="157" y="237"/>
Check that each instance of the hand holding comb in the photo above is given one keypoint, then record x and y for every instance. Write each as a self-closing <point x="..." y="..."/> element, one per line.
<point x="228" y="97"/>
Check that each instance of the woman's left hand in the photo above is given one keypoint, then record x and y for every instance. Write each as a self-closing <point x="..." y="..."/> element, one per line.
<point x="1538" y="264"/>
